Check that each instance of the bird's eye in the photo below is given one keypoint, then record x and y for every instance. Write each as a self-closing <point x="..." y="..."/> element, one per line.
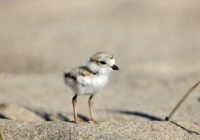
<point x="103" y="62"/>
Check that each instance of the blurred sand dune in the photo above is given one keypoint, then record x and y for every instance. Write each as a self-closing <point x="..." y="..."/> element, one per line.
<point x="49" y="36"/>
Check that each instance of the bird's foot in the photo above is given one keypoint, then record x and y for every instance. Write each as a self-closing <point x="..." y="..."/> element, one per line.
<point x="75" y="122"/>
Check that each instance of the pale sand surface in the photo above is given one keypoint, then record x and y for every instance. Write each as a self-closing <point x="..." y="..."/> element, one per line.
<point x="125" y="110"/>
<point x="146" y="94"/>
<point x="106" y="130"/>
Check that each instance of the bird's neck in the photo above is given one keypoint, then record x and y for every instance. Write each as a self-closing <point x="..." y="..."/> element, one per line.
<point x="89" y="69"/>
<point x="93" y="68"/>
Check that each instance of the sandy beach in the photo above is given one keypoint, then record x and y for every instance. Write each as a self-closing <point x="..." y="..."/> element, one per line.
<point x="156" y="45"/>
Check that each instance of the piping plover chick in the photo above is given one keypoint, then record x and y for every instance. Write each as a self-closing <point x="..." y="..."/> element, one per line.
<point x="90" y="78"/>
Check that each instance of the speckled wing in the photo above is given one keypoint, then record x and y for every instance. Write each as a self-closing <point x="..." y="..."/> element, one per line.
<point x="78" y="75"/>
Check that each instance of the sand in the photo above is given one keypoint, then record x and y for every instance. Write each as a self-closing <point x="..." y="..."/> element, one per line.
<point x="106" y="130"/>
<point x="156" y="46"/>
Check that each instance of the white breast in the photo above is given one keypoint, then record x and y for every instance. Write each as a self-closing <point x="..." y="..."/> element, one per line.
<point x="100" y="81"/>
<point x="91" y="85"/>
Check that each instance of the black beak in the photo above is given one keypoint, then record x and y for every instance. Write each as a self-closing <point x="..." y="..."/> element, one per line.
<point x="115" y="67"/>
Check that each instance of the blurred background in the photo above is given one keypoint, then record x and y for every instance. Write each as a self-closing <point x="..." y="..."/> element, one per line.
<point x="156" y="44"/>
<point x="44" y="36"/>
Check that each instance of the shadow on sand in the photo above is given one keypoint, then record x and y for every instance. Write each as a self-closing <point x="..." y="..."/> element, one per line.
<point x="151" y="118"/>
<point x="3" y="116"/>
<point x="60" y="117"/>
<point x="187" y="130"/>
<point x="140" y="114"/>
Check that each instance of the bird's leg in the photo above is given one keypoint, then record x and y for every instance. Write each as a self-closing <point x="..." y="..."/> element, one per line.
<point x="90" y="108"/>
<point x="74" y="101"/>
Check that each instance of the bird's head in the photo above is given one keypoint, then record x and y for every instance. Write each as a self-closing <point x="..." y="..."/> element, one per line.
<point x="102" y="63"/>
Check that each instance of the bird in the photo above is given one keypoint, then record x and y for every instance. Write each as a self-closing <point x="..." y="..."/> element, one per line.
<point x="90" y="79"/>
